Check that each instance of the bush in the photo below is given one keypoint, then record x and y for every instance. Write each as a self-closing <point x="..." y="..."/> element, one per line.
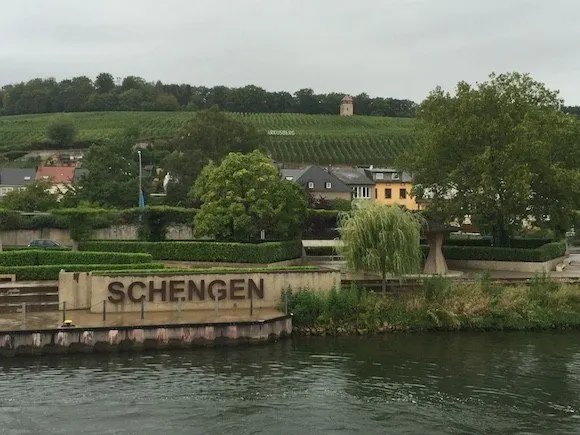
<point x="321" y="224"/>
<point x="170" y="215"/>
<point x="61" y="131"/>
<point x="325" y="251"/>
<point x="269" y="252"/>
<point x="520" y="243"/>
<point x="547" y="252"/>
<point x="51" y="272"/>
<point x="32" y="257"/>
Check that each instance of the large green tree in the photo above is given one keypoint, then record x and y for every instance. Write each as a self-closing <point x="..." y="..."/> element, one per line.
<point x="61" y="131"/>
<point x="112" y="179"/>
<point x="209" y="136"/>
<point x="501" y="152"/>
<point x="243" y="196"/>
<point x="381" y="239"/>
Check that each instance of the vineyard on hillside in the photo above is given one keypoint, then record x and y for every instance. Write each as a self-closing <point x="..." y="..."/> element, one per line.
<point x="293" y="138"/>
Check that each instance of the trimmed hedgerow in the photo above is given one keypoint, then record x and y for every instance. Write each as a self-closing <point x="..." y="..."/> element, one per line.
<point x="269" y="252"/>
<point x="548" y="251"/>
<point x="520" y="243"/>
<point x="51" y="272"/>
<point x="209" y="271"/>
<point x="31" y="257"/>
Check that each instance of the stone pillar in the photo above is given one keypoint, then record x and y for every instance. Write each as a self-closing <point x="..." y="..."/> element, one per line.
<point x="435" y="264"/>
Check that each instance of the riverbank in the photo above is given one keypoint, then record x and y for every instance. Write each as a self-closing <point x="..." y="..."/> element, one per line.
<point x="439" y="305"/>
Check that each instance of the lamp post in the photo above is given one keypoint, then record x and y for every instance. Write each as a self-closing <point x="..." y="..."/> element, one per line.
<point x="140" y="180"/>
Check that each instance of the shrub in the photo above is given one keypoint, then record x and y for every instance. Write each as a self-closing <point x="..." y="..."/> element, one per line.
<point x="305" y="305"/>
<point x="521" y="243"/>
<point x="31" y="257"/>
<point x="321" y="251"/>
<point x="547" y="252"/>
<point x="50" y="272"/>
<point x="321" y="224"/>
<point x="269" y="252"/>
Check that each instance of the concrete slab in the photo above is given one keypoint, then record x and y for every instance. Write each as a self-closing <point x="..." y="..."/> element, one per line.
<point x="84" y="318"/>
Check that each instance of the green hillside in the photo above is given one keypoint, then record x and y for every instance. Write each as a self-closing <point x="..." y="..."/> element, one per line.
<point x="322" y="139"/>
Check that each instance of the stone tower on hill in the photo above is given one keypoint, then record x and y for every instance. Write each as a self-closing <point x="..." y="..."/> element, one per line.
<point x="346" y="106"/>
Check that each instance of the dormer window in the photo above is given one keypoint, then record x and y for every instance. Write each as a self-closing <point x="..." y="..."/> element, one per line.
<point x="379" y="176"/>
<point x="45" y="177"/>
<point x="311" y="184"/>
<point x="26" y="178"/>
<point x="395" y="176"/>
<point x="328" y="185"/>
<point x="289" y="178"/>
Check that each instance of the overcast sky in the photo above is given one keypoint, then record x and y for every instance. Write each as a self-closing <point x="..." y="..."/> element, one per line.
<point x="389" y="48"/>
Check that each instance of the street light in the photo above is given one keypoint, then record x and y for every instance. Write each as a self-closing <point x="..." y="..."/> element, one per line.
<point x="141" y="199"/>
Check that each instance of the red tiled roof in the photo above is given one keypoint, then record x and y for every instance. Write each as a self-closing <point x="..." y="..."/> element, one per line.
<point x="56" y="174"/>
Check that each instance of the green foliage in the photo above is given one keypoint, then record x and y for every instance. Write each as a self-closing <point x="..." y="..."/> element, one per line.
<point x="269" y="252"/>
<point x="81" y="222"/>
<point x="32" y="257"/>
<point x="155" y="220"/>
<point x="524" y="243"/>
<point x="381" y="239"/>
<point x="325" y="139"/>
<point x="61" y="131"/>
<point x="340" y="204"/>
<point x="113" y="173"/>
<point x="321" y="224"/>
<point x="211" y="270"/>
<point x="546" y="252"/>
<point x="50" y="272"/>
<point x="505" y="150"/>
<point x="35" y="197"/>
<point x="244" y="195"/>
<point x="442" y="304"/>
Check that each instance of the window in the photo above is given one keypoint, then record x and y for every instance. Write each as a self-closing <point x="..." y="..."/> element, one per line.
<point x="379" y="176"/>
<point x="402" y="193"/>
<point x="388" y="193"/>
<point x="361" y="192"/>
<point x="27" y="178"/>
<point x="289" y="178"/>
<point x="328" y="185"/>
<point x="311" y="184"/>
<point x="376" y="196"/>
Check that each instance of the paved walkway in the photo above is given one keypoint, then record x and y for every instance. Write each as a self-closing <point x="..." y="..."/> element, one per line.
<point x="572" y="271"/>
<point x="84" y="318"/>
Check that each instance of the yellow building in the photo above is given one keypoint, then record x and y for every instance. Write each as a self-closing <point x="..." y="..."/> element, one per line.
<point x="392" y="187"/>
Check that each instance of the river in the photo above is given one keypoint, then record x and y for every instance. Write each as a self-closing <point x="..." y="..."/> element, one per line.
<point x="433" y="383"/>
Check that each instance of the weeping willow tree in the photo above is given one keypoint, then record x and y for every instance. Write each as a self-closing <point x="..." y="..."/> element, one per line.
<point x="381" y="239"/>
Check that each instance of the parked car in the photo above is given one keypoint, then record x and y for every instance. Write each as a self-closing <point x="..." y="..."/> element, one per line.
<point x="44" y="244"/>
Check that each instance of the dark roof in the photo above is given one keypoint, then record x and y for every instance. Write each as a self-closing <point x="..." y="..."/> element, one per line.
<point x="318" y="176"/>
<point x="403" y="177"/>
<point x="17" y="176"/>
<point x="352" y="176"/>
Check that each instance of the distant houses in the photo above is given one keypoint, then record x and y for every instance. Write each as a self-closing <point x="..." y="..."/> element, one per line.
<point x="381" y="185"/>
<point x="15" y="179"/>
<point x="58" y="177"/>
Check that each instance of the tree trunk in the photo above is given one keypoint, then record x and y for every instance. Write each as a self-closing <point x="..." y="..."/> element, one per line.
<point x="75" y="246"/>
<point x="500" y="236"/>
<point x="384" y="284"/>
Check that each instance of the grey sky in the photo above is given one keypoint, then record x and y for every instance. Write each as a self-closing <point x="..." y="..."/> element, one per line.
<point x="397" y="48"/>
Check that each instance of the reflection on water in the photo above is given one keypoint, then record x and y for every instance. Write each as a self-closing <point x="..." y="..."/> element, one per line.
<point x="429" y="383"/>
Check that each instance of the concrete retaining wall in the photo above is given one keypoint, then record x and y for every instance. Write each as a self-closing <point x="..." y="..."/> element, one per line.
<point x="118" y="232"/>
<point x="511" y="266"/>
<point x="172" y="292"/>
<point x="85" y="340"/>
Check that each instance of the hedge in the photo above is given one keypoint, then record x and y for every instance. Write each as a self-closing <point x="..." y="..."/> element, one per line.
<point x="547" y="252"/>
<point x="51" y="272"/>
<point x="32" y="257"/>
<point x="210" y="270"/>
<point x="268" y="252"/>
<point x="522" y="243"/>
<point x="321" y="224"/>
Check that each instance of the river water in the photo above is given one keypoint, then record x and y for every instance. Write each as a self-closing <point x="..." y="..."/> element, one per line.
<point x="418" y="384"/>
